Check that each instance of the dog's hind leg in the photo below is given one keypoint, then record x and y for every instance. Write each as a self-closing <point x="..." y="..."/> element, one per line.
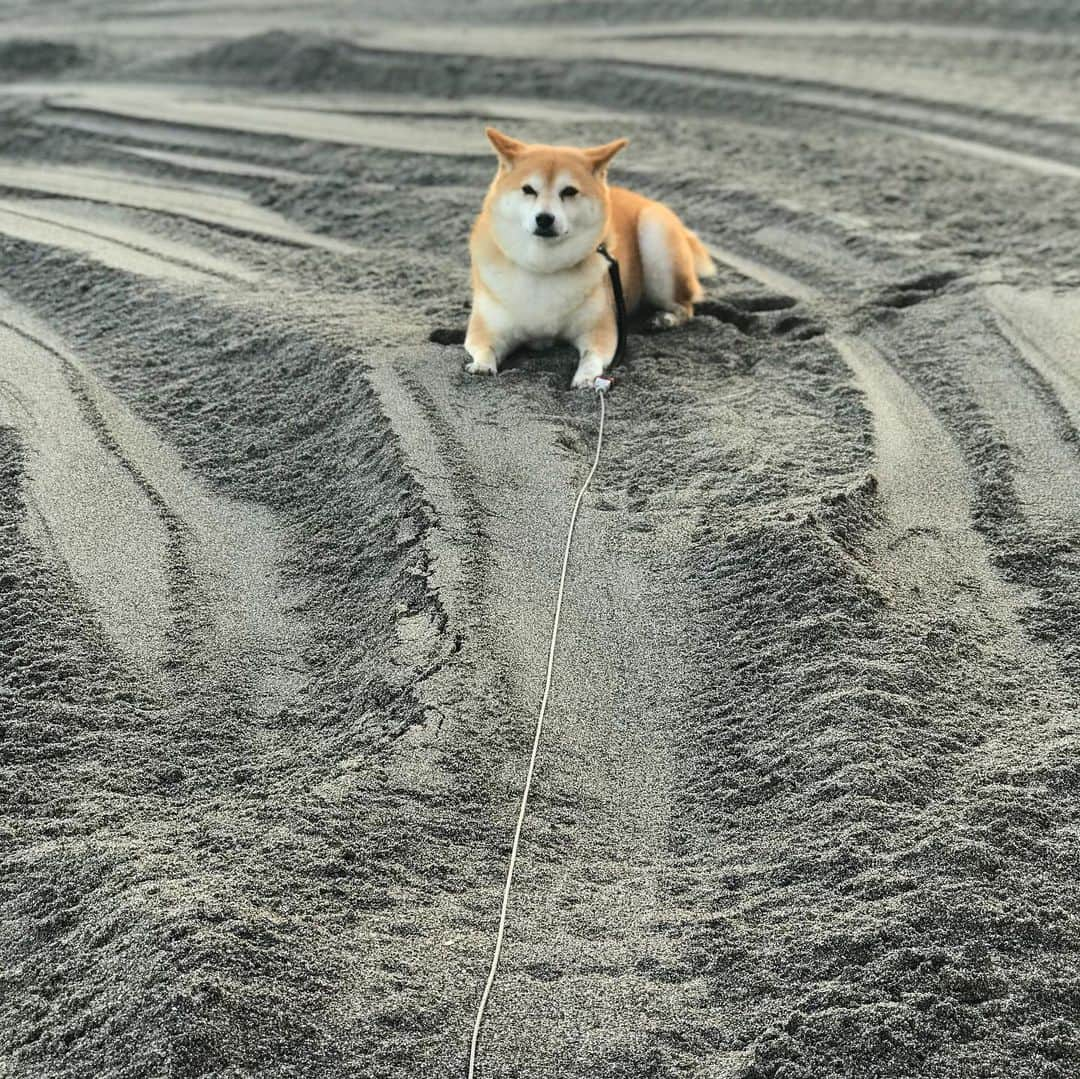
<point x="668" y="262"/>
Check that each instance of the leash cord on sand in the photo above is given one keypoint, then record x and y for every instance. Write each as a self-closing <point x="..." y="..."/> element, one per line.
<point x="601" y="386"/>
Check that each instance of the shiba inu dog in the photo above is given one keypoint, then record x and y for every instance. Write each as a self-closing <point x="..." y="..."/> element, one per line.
<point x="536" y="273"/>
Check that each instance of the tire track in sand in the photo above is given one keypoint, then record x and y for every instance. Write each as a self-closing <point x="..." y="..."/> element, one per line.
<point x="1030" y="395"/>
<point x="435" y="126"/>
<point x="928" y="540"/>
<point x="1042" y="327"/>
<point x="959" y="129"/>
<point x="221" y="166"/>
<point x="213" y="206"/>
<point x="927" y="537"/>
<point x="977" y="123"/>
<point x="176" y="573"/>
<point x="115" y="244"/>
<point x="1045" y="329"/>
<point x="452" y="136"/>
<point x="990" y="740"/>
<point x="84" y="505"/>
<point x="576" y="990"/>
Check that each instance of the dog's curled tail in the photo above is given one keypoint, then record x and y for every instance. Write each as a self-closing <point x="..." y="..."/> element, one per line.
<point x="703" y="263"/>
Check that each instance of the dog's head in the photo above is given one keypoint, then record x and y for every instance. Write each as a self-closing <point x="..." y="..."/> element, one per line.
<point x="549" y="204"/>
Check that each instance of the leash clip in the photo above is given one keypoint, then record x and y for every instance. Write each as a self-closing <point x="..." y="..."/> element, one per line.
<point x="603" y="383"/>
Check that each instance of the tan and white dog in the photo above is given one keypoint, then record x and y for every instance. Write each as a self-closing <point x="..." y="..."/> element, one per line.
<point x="536" y="273"/>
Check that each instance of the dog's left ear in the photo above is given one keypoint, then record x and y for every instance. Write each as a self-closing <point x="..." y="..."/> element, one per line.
<point x="599" y="157"/>
<point x="506" y="147"/>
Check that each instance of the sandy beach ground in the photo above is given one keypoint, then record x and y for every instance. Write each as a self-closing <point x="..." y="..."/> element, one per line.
<point x="276" y="577"/>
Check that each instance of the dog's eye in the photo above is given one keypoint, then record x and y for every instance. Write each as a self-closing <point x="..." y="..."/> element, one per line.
<point x="529" y="189"/>
<point x="568" y="192"/>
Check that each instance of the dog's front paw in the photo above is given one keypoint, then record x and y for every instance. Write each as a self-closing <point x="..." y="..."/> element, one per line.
<point x="482" y="366"/>
<point x="585" y="375"/>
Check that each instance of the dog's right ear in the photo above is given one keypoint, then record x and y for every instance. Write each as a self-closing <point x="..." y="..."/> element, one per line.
<point x="506" y="147"/>
<point x="599" y="157"/>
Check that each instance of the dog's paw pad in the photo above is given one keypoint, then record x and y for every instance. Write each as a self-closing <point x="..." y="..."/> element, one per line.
<point x="481" y="367"/>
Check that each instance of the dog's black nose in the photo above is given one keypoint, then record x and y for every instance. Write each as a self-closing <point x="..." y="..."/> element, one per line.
<point x="545" y="221"/>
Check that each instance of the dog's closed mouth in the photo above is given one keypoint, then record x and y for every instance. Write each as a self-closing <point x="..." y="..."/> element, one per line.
<point x="546" y="234"/>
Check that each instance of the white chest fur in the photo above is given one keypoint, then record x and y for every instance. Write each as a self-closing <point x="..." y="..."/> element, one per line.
<point x="520" y="305"/>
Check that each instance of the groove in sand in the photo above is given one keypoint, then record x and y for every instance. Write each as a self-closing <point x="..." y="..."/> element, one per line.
<point x="223" y="166"/>
<point x="110" y="505"/>
<point x="1012" y="386"/>
<point x="452" y="136"/>
<point x="758" y="65"/>
<point x="880" y="93"/>
<point x="921" y="474"/>
<point x="1045" y="329"/>
<point x="377" y="124"/>
<point x="928" y="538"/>
<point x="209" y="205"/>
<point x="816" y="28"/>
<point x="765" y="275"/>
<point x="1043" y="166"/>
<point x="620" y="772"/>
<point x="84" y="504"/>
<point x="114" y="244"/>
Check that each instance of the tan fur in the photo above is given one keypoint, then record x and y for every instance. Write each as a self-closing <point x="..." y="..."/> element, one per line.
<point x="530" y="286"/>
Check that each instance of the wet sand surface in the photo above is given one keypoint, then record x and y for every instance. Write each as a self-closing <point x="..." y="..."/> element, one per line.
<point x="276" y="576"/>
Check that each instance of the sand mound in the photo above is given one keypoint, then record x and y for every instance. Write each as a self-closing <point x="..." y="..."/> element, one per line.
<point x="22" y="58"/>
<point x="278" y="58"/>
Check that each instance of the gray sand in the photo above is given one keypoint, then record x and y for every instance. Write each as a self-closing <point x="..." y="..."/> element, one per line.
<point x="276" y="577"/>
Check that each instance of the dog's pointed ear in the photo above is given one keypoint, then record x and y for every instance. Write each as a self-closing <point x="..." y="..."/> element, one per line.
<point x="506" y="147"/>
<point x="599" y="157"/>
